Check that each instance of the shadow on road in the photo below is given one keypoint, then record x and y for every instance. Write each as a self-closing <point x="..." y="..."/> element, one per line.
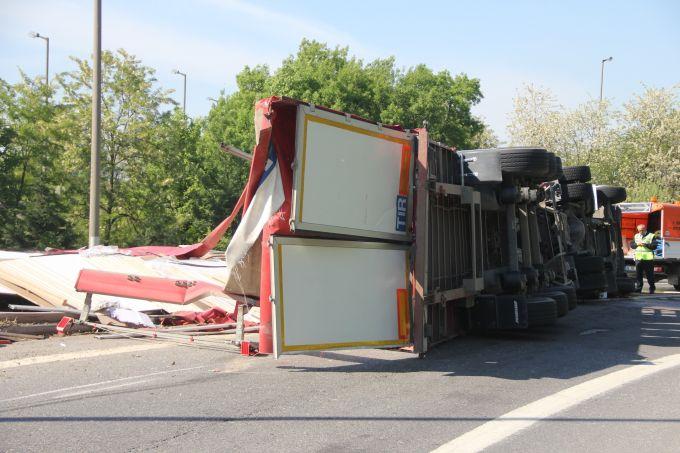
<point x="597" y="336"/>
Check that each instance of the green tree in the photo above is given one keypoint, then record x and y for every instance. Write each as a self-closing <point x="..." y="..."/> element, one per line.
<point x="231" y="119"/>
<point x="637" y="147"/>
<point x="164" y="177"/>
<point x="194" y="183"/>
<point x="131" y="107"/>
<point x="443" y="101"/>
<point x="377" y="90"/>
<point x="486" y="138"/>
<point x="31" y="182"/>
<point x="649" y="143"/>
<point x="330" y="77"/>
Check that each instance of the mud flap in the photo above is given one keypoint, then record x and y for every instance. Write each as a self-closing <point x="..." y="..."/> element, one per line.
<point x="500" y="312"/>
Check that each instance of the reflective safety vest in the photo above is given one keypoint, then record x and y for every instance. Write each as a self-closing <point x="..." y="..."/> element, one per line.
<point x="644" y="252"/>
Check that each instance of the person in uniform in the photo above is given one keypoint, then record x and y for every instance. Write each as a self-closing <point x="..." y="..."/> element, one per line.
<point x="643" y="243"/>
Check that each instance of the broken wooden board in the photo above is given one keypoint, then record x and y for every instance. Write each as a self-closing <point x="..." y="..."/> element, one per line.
<point x="49" y="280"/>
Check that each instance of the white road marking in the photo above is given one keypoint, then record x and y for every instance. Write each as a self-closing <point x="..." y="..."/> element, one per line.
<point x="94" y="384"/>
<point x="85" y="392"/>
<point x="514" y="421"/>
<point x="80" y="355"/>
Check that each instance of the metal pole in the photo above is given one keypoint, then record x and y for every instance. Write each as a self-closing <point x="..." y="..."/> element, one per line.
<point x="601" y="80"/>
<point x="47" y="58"/>
<point x="96" y="124"/>
<point x="184" y="102"/>
<point x="47" y="63"/>
<point x="602" y="76"/>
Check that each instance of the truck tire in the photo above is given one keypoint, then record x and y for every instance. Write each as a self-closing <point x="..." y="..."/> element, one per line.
<point x="558" y="167"/>
<point x="570" y="291"/>
<point x="602" y="199"/>
<point x="577" y="173"/>
<point x="561" y="301"/>
<point x="552" y="167"/>
<point x="579" y="191"/>
<point x="615" y="194"/>
<point x="589" y="264"/>
<point x="512" y="311"/>
<point x="588" y="294"/>
<point x="564" y="190"/>
<point x="625" y="285"/>
<point x="525" y="162"/>
<point x="542" y="311"/>
<point x="592" y="282"/>
<point x="612" y="283"/>
<point x="677" y="287"/>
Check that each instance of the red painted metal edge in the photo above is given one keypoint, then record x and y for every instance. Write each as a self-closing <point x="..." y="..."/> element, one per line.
<point x="64" y="325"/>
<point x="158" y="289"/>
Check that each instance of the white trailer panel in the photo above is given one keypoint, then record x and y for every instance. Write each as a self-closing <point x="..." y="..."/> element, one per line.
<point x="351" y="177"/>
<point x="339" y="294"/>
<point x="671" y="249"/>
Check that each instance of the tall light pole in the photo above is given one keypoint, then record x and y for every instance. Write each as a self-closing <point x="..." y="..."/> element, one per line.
<point x="184" y="102"/>
<point x="602" y="76"/>
<point x="96" y="123"/>
<point x="47" y="54"/>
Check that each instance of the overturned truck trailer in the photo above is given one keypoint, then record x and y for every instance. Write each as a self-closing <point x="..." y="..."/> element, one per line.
<point x="357" y="234"/>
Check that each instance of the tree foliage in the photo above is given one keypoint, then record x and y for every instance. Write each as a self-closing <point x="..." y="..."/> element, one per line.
<point x="637" y="146"/>
<point x="164" y="178"/>
<point x="377" y="90"/>
<point x="130" y="113"/>
<point x="32" y="204"/>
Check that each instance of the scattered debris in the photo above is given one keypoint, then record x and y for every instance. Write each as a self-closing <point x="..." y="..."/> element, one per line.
<point x="593" y="331"/>
<point x="48" y="281"/>
<point x="120" y="294"/>
<point x="42" y="330"/>
<point x="130" y="317"/>
<point x="19" y="336"/>
<point x="30" y="317"/>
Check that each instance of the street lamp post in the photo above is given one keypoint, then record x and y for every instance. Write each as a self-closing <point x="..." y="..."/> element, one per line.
<point x="96" y="124"/>
<point x="602" y="76"/>
<point x="47" y="54"/>
<point x="184" y="102"/>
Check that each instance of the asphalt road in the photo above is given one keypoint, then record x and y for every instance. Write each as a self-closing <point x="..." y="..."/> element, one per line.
<point x="180" y="399"/>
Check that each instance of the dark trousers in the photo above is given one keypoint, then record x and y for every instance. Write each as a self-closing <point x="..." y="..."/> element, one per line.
<point x="646" y="267"/>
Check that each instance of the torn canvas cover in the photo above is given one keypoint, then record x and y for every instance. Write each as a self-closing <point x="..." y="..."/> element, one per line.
<point x="268" y="198"/>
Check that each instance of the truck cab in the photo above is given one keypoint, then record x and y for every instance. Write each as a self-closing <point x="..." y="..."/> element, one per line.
<point x="662" y="219"/>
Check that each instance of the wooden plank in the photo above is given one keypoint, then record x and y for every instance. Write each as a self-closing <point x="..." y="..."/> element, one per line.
<point x="31" y="317"/>
<point x="20" y="336"/>
<point x="49" y="281"/>
<point x="251" y="329"/>
<point x="44" y="329"/>
<point x="31" y="308"/>
<point x="28" y="295"/>
<point x="197" y="327"/>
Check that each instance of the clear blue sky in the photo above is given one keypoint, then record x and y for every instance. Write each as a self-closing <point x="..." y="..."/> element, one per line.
<point x="506" y="44"/>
